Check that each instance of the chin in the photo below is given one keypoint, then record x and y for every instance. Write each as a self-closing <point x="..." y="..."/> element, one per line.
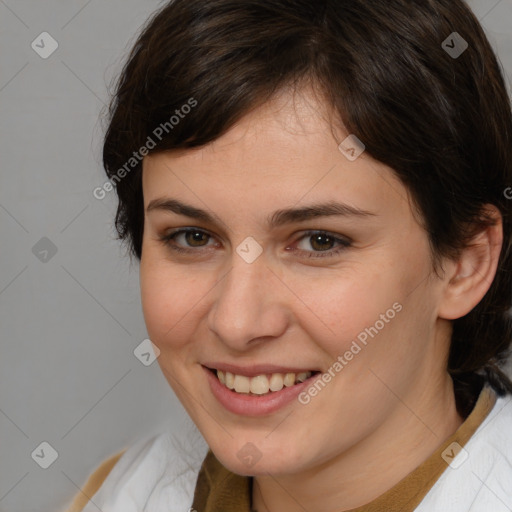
<point x="250" y="459"/>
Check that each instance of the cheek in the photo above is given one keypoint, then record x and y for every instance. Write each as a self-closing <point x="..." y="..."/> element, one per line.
<point x="171" y="302"/>
<point x="340" y="308"/>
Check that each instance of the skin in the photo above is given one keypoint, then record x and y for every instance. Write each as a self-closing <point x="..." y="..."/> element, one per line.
<point x="392" y="405"/>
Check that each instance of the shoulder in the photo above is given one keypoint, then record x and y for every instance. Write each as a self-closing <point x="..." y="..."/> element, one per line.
<point x="158" y="472"/>
<point x="94" y="482"/>
<point x="480" y="476"/>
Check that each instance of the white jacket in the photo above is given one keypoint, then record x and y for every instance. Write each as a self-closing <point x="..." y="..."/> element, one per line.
<point x="158" y="473"/>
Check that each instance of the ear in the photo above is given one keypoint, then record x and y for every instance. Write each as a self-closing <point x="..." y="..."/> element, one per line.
<point x="471" y="274"/>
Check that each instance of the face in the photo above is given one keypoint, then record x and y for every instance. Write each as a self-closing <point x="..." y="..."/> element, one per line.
<point x="266" y="283"/>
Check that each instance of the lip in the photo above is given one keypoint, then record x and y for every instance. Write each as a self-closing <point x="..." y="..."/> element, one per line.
<point x="254" y="405"/>
<point x="257" y="369"/>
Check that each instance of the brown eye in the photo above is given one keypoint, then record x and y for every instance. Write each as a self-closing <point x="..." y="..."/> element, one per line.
<point x="195" y="238"/>
<point x="189" y="239"/>
<point x="322" y="244"/>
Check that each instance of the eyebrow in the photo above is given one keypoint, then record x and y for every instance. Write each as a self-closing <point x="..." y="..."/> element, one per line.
<point x="278" y="218"/>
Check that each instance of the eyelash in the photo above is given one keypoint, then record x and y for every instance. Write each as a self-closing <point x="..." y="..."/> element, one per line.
<point x="168" y="240"/>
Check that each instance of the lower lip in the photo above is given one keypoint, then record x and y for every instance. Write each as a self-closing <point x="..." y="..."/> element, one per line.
<point x="253" y="405"/>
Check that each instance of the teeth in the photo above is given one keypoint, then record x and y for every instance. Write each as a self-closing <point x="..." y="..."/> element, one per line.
<point x="289" y="379"/>
<point x="242" y="384"/>
<point x="230" y="380"/>
<point x="301" y="377"/>
<point x="261" y="384"/>
<point x="276" y="382"/>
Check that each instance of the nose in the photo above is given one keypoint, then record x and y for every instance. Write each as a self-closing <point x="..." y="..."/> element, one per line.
<point x="249" y="305"/>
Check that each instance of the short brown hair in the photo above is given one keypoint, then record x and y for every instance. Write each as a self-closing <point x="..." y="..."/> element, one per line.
<point x="442" y="122"/>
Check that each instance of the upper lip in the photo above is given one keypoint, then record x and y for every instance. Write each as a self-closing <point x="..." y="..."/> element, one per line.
<point x="255" y="369"/>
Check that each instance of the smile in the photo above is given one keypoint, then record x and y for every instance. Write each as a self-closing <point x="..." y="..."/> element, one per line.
<point x="257" y="390"/>
<point x="261" y="384"/>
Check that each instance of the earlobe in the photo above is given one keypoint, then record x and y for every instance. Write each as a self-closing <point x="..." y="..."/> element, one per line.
<point x="474" y="270"/>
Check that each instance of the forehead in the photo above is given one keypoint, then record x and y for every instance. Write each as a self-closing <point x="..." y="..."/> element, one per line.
<point x="282" y="153"/>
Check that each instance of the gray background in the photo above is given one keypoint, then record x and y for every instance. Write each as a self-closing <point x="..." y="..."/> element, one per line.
<point x="70" y="324"/>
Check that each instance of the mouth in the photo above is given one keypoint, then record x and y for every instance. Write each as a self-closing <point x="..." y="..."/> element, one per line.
<point x="263" y="384"/>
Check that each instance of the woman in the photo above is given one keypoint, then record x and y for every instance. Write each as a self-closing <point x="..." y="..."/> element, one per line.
<point x="316" y="192"/>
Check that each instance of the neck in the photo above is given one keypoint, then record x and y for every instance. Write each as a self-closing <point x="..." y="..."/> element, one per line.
<point x="377" y="463"/>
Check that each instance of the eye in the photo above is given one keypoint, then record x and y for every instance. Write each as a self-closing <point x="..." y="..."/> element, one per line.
<point x="193" y="236"/>
<point x="322" y="243"/>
